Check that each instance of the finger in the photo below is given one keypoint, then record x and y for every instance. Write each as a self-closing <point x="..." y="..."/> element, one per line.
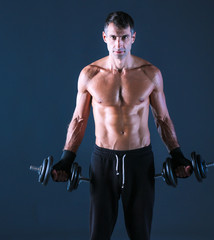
<point x="54" y="175"/>
<point x="185" y="171"/>
<point x="188" y="170"/>
<point x="177" y="173"/>
<point x="59" y="176"/>
<point x="181" y="172"/>
<point x="63" y="177"/>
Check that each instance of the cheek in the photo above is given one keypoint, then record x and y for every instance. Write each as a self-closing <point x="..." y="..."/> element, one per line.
<point x="128" y="45"/>
<point x="109" y="46"/>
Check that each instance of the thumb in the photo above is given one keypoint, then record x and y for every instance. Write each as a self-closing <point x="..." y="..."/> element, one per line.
<point x="188" y="170"/>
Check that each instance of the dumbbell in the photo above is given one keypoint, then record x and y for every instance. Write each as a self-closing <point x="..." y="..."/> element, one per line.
<point x="200" y="168"/>
<point x="44" y="172"/>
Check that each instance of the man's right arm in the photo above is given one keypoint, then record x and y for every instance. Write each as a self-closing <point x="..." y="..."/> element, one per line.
<point x="79" y="120"/>
<point x="76" y="130"/>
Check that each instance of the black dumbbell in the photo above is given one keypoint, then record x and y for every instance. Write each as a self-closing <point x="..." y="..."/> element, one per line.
<point x="200" y="167"/>
<point x="44" y="172"/>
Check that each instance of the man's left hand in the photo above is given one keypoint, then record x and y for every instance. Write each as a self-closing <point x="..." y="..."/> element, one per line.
<point x="181" y="165"/>
<point x="183" y="171"/>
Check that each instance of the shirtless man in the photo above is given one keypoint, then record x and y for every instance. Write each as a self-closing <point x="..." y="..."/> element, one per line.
<point x="121" y="87"/>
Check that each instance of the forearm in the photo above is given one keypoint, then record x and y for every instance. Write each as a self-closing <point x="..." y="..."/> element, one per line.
<point x="75" y="133"/>
<point x="167" y="132"/>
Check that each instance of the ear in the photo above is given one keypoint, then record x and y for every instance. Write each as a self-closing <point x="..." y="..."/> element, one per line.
<point x="133" y="37"/>
<point x="104" y="37"/>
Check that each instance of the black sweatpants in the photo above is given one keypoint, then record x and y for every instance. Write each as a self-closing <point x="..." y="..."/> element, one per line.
<point x="126" y="174"/>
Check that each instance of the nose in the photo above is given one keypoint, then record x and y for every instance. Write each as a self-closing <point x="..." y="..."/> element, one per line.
<point x="118" y="42"/>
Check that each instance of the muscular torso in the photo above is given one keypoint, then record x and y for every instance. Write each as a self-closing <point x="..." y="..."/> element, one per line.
<point x="120" y="103"/>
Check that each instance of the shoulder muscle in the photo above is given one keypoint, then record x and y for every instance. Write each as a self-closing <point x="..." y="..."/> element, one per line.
<point x="87" y="73"/>
<point x="154" y="74"/>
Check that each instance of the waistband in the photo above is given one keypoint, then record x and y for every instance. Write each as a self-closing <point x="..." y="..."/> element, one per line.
<point x="133" y="152"/>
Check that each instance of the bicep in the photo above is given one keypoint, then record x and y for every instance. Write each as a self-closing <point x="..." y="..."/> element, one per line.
<point x="158" y="100"/>
<point x="83" y="104"/>
<point x="83" y="99"/>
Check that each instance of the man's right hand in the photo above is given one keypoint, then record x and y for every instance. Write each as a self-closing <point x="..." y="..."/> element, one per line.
<point x="61" y="171"/>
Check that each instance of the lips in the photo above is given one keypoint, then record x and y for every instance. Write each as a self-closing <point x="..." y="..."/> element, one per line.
<point x="119" y="51"/>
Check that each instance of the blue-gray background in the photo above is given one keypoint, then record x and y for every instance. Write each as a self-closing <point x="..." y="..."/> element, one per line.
<point x="44" y="45"/>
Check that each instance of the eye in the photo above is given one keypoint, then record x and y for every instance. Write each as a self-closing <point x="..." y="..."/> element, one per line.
<point x="125" y="37"/>
<point x="113" y="37"/>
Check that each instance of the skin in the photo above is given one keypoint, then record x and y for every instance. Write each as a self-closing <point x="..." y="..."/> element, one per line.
<point x="120" y="88"/>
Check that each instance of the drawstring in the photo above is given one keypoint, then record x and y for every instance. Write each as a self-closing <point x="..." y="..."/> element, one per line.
<point x="123" y="168"/>
<point x="117" y="164"/>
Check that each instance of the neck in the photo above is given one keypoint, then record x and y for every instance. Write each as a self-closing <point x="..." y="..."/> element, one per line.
<point x="119" y="64"/>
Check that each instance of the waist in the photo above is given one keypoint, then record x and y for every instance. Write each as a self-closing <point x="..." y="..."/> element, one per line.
<point x="133" y="152"/>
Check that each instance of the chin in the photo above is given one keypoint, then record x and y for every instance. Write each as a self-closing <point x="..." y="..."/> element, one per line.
<point x="120" y="56"/>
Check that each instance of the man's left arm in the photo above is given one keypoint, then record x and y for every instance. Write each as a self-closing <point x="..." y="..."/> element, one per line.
<point x="164" y="124"/>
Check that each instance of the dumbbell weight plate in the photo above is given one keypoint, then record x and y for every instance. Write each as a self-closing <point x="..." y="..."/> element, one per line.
<point x="48" y="170"/>
<point x="170" y="174"/>
<point x="202" y="166"/>
<point x="165" y="175"/>
<point x="78" y="178"/>
<point x="74" y="178"/>
<point x="195" y="164"/>
<point x="43" y="170"/>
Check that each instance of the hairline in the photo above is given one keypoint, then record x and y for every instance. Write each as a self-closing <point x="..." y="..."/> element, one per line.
<point x="131" y="29"/>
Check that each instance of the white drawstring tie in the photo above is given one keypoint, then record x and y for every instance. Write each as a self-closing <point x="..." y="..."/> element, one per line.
<point x="123" y="168"/>
<point x="117" y="165"/>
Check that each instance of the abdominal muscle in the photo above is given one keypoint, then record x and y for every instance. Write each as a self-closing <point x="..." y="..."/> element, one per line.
<point x="121" y="127"/>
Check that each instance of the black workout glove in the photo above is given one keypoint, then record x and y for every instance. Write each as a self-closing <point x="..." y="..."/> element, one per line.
<point x="178" y="159"/>
<point x="64" y="164"/>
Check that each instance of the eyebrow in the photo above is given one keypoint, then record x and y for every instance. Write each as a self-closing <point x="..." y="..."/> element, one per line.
<point x="113" y="35"/>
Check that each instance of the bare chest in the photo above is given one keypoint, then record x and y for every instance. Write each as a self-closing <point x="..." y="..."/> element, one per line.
<point x="132" y="88"/>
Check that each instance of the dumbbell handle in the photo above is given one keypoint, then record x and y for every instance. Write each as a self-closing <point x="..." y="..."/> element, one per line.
<point x="37" y="169"/>
<point x="211" y="164"/>
<point x="159" y="175"/>
<point x="83" y="179"/>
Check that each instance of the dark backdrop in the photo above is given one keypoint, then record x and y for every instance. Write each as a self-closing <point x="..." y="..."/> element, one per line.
<point x="44" y="45"/>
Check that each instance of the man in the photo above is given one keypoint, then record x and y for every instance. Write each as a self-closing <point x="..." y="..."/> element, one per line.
<point x="121" y="87"/>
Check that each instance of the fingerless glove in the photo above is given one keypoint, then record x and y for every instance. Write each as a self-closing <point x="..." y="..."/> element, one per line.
<point x="65" y="162"/>
<point x="178" y="158"/>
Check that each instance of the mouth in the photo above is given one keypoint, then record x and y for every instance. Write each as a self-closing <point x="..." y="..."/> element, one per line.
<point x="119" y="52"/>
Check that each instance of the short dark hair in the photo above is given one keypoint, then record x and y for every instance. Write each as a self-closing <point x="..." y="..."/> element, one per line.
<point x="120" y="19"/>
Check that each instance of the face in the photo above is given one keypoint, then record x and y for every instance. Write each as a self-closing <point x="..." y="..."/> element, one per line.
<point x="119" y="41"/>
